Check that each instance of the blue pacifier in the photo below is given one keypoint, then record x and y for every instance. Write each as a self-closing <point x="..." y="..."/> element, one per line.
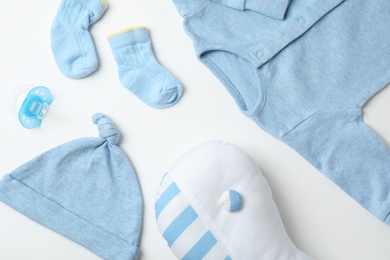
<point x="34" y="106"/>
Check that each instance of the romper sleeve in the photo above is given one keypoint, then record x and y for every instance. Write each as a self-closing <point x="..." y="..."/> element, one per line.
<point x="273" y="8"/>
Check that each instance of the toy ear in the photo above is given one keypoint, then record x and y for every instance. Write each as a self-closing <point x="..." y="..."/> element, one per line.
<point x="231" y="201"/>
<point x="212" y="198"/>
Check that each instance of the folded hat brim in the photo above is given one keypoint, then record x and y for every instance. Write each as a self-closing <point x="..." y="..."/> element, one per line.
<point x="57" y="218"/>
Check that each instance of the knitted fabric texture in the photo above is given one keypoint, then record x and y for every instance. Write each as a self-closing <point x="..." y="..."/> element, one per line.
<point x="86" y="190"/>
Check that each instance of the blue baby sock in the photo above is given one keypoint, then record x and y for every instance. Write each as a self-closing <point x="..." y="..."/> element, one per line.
<point x="140" y="72"/>
<point x="71" y="42"/>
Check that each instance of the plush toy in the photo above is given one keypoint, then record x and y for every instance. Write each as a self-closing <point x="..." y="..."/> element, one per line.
<point x="214" y="203"/>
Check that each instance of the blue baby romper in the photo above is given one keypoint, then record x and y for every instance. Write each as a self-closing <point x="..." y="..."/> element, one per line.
<point x="302" y="70"/>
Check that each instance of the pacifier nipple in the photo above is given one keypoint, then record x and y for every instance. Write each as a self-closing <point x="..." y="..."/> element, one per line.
<point x="107" y="129"/>
<point x="231" y="201"/>
<point x="33" y="108"/>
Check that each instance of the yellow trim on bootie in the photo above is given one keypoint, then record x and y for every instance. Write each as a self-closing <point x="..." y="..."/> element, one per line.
<point x="126" y="30"/>
<point x="104" y="2"/>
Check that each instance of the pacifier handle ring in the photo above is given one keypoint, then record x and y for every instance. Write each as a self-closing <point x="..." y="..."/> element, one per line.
<point x="13" y="97"/>
<point x="34" y="106"/>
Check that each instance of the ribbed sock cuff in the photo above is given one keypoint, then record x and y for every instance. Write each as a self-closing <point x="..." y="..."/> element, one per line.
<point x="129" y="36"/>
<point x="97" y="7"/>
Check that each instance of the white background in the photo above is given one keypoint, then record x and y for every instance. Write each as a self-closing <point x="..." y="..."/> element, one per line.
<point x="320" y="219"/>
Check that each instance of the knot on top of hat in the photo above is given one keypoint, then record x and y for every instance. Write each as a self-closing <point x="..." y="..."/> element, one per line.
<point x="107" y="129"/>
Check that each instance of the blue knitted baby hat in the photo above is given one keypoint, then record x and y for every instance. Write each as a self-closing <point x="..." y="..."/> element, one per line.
<point x="86" y="190"/>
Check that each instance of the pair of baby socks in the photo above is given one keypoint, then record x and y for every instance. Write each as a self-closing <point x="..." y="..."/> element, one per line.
<point x="138" y="69"/>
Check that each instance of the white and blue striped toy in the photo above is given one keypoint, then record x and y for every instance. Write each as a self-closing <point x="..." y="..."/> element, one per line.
<point x="214" y="203"/>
